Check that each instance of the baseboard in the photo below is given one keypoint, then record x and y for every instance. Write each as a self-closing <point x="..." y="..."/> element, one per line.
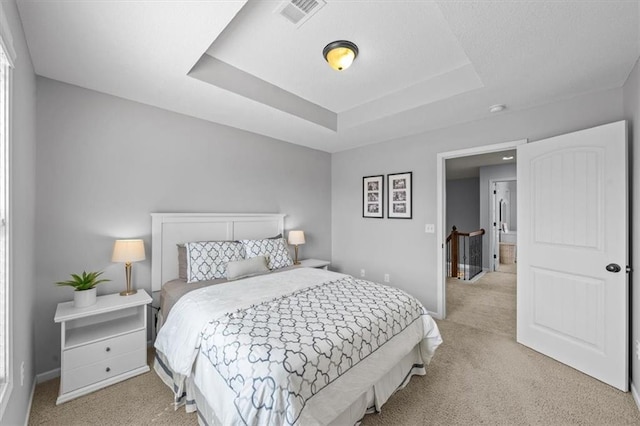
<point x="477" y="277"/>
<point x="47" y="375"/>
<point x="636" y="396"/>
<point x="33" y="391"/>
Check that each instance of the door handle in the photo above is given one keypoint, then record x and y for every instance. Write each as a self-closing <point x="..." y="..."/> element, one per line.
<point x="613" y="267"/>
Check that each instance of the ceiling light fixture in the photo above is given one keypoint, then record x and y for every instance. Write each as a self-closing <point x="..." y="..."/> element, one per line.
<point x="505" y="158"/>
<point x="497" y="108"/>
<point x="340" y="54"/>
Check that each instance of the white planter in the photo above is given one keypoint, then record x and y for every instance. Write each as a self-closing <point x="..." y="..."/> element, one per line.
<point x="84" y="298"/>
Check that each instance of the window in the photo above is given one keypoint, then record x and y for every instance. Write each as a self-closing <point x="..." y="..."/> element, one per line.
<point x="6" y="68"/>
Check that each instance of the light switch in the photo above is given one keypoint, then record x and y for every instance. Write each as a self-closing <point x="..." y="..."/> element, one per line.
<point x="430" y="228"/>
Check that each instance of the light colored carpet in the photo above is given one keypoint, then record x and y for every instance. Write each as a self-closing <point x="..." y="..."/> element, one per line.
<point x="507" y="267"/>
<point x="142" y="400"/>
<point x="479" y="375"/>
<point x="488" y="304"/>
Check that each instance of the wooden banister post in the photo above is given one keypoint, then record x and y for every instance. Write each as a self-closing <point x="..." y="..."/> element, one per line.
<point x="454" y="252"/>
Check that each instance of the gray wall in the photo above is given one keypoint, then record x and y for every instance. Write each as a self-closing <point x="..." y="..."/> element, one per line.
<point x="631" y="92"/>
<point x="23" y="190"/>
<point x="487" y="175"/>
<point x="463" y="204"/>
<point x="401" y="248"/>
<point x="105" y="163"/>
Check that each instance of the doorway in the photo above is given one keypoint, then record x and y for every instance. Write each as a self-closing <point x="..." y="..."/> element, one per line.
<point x="485" y="210"/>
<point x="504" y="236"/>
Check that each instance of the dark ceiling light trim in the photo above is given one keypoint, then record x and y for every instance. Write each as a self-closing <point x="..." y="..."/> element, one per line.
<point x="340" y="54"/>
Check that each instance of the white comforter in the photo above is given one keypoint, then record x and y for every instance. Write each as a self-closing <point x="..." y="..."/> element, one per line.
<point x="179" y="340"/>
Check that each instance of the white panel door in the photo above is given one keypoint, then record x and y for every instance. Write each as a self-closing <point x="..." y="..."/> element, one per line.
<point x="572" y="211"/>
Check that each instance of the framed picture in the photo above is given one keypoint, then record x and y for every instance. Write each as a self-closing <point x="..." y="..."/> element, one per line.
<point x="399" y="202"/>
<point x="373" y="196"/>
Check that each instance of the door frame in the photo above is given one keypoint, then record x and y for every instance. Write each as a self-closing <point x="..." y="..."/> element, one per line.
<point x="441" y="208"/>
<point x="494" y="241"/>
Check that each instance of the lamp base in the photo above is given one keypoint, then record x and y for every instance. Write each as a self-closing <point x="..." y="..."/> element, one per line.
<point x="295" y="260"/>
<point x="127" y="272"/>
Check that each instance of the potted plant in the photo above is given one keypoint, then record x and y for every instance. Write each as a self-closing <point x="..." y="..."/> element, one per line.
<point x="85" y="287"/>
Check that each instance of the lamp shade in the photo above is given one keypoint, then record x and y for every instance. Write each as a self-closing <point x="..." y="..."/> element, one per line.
<point x="296" y="237"/>
<point x="340" y="54"/>
<point x="128" y="251"/>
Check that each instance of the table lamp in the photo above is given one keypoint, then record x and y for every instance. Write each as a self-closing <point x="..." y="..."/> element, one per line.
<point x="128" y="251"/>
<point x="295" y="239"/>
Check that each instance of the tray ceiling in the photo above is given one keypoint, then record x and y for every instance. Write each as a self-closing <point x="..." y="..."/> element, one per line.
<point x="422" y="65"/>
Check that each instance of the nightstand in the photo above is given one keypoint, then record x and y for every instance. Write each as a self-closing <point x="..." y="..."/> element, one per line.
<point x="102" y="344"/>
<point x="315" y="263"/>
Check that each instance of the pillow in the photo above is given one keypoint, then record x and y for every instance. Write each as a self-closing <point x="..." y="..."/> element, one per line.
<point x="182" y="262"/>
<point x="246" y="267"/>
<point x="275" y="250"/>
<point x="182" y="259"/>
<point x="207" y="260"/>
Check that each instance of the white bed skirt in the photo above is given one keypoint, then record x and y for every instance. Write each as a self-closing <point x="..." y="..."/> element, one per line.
<point x="369" y="402"/>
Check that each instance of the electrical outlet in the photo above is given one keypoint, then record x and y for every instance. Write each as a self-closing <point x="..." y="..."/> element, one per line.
<point x="430" y="228"/>
<point x="386" y="278"/>
<point x="22" y="374"/>
<point x="362" y="273"/>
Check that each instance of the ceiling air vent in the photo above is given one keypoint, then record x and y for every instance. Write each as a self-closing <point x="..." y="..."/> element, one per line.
<point x="299" y="11"/>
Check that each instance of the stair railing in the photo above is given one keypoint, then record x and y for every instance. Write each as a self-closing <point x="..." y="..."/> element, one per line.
<point x="464" y="253"/>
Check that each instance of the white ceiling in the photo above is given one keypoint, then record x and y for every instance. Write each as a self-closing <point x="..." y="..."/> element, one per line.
<point x="469" y="166"/>
<point x="422" y="65"/>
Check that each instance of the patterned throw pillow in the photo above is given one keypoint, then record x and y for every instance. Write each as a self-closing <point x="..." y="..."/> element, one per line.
<point x="275" y="250"/>
<point x="207" y="260"/>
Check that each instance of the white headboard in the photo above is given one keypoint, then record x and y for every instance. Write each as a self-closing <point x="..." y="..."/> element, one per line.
<point x="170" y="229"/>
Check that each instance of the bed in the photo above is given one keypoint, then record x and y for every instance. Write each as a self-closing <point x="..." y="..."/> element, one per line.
<point x="287" y="345"/>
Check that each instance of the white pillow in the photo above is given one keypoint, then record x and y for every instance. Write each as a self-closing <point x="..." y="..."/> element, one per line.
<point x="246" y="268"/>
<point x="207" y="260"/>
<point x="274" y="249"/>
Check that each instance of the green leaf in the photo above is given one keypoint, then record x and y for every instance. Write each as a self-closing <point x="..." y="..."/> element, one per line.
<point x="85" y="281"/>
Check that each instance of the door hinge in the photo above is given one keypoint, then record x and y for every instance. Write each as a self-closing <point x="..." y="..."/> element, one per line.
<point x="494" y="224"/>
<point x="494" y="191"/>
<point x="495" y="257"/>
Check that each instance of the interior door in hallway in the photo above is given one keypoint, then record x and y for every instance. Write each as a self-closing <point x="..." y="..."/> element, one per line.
<point x="572" y="287"/>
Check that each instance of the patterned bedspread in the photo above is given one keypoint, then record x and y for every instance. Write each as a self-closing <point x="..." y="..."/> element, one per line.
<point x="278" y="354"/>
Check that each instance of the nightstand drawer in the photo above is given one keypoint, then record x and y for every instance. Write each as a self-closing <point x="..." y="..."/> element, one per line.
<point x="103" y="350"/>
<point x="103" y="370"/>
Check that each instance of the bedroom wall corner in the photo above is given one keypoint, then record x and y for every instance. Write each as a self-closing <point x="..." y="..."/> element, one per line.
<point x="631" y="100"/>
<point x="22" y="186"/>
<point x="105" y="163"/>
<point x="401" y="248"/>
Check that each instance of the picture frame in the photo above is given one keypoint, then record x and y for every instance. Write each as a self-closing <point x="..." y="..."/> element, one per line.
<point x="373" y="196"/>
<point x="400" y="199"/>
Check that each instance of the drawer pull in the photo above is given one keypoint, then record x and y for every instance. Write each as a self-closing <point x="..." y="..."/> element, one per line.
<point x="108" y="349"/>
<point x="108" y="369"/>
